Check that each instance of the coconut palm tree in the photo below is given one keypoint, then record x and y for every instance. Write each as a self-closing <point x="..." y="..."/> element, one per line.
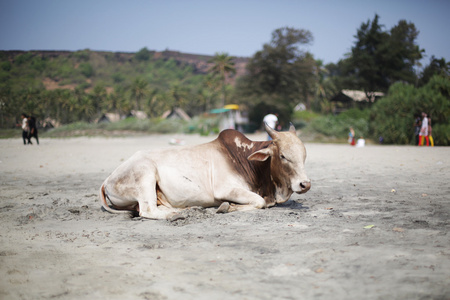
<point x="139" y="89"/>
<point x="223" y="66"/>
<point x="324" y="88"/>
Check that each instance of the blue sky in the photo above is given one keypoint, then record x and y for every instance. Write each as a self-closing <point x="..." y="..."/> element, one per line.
<point x="239" y="28"/>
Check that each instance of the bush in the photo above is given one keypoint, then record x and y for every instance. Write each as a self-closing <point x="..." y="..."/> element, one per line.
<point x="4" y="76"/>
<point x="305" y="116"/>
<point x="23" y="58"/>
<point x="82" y="55"/>
<point x="86" y="69"/>
<point x="441" y="134"/>
<point x="6" y="66"/>
<point x="117" y="77"/>
<point x="339" y="126"/>
<point x="143" y="54"/>
<point x="392" y="117"/>
<point x="39" y="64"/>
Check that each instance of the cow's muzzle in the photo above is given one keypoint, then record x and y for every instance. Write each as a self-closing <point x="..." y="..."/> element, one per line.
<point x="304" y="187"/>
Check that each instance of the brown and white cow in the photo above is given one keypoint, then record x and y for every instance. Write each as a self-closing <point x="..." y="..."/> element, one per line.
<point x="231" y="172"/>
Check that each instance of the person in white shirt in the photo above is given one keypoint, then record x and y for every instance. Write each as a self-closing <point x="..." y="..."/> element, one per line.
<point x="424" y="130"/>
<point x="272" y="121"/>
<point x="25" y="129"/>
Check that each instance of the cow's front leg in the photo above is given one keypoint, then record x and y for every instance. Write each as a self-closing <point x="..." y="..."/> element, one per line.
<point x="242" y="199"/>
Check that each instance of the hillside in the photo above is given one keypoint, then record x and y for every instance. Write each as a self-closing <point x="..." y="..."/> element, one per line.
<point x="62" y="69"/>
<point x="81" y="86"/>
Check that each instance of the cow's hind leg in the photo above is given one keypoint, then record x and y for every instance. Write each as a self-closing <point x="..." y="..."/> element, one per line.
<point x="147" y="198"/>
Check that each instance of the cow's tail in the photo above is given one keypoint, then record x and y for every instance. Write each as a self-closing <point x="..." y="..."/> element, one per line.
<point x="106" y="206"/>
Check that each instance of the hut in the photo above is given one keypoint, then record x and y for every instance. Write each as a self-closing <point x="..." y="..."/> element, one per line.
<point x="347" y="99"/>
<point x="176" y="113"/>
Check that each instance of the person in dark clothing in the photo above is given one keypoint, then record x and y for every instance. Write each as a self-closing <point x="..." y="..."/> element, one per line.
<point x="417" y="125"/>
<point x="25" y="129"/>
<point x="33" y="131"/>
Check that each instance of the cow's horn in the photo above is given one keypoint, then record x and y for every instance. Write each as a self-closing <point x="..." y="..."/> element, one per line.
<point x="272" y="133"/>
<point x="292" y="128"/>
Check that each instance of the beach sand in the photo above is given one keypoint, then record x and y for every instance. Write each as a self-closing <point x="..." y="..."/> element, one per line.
<point x="375" y="225"/>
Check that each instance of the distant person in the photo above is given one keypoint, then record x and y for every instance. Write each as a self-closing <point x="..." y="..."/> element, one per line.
<point x="417" y="125"/>
<point x="25" y="129"/>
<point x="351" y="136"/>
<point x="423" y="134"/>
<point x="271" y="120"/>
<point x="33" y="131"/>
<point x="430" y="137"/>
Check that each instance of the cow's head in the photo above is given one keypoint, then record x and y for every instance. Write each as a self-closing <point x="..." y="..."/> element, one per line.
<point x="287" y="165"/>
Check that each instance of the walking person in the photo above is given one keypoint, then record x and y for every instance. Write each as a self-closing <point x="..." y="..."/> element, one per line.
<point x="351" y="137"/>
<point x="430" y="137"/>
<point x="33" y="131"/>
<point x="417" y="125"/>
<point x="424" y="131"/>
<point x="25" y="129"/>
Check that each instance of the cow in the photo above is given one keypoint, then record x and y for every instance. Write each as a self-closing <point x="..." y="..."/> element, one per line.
<point x="231" y="172"/>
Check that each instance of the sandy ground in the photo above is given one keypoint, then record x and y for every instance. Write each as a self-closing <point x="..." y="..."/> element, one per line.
<point x="375" y="225"/>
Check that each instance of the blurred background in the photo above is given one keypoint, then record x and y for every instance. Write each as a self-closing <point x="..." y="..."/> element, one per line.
<point x="115" y="67"/>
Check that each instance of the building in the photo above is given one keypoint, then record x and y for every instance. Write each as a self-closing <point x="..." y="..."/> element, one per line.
<point x="347" y="99"/>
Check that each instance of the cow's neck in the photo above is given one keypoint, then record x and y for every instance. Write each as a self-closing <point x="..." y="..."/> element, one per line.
<point x="237" y="148"/>
<point x="261" y="180"/>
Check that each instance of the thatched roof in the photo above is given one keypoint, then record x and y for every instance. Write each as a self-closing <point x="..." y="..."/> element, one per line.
<point x="176" y="113"/>
<point x="358" y="96"/>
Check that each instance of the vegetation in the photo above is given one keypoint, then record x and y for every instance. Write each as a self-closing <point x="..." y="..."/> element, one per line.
<point x="81" y="86"/>
<point x="380" y="58"/>
<point x="279" y="76"/>
<point x="76" y="88"/>
<point x="223" y="65"/>
<point x="338" y="126"/>
<point x="392" y="117"/>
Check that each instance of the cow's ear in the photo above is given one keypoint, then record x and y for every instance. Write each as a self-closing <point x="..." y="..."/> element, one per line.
<point x="260" y="155"/>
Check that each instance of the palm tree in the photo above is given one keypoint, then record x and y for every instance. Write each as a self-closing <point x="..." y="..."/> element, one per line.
<point x="223" y="65"/>
<point x="98" y="96"/>
<point x="139" y="89"/>
<point x="324" y="88"/>
<point x="210" y="91"/>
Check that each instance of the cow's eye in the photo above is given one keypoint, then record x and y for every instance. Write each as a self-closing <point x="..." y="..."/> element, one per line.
<point x="282" y="157"/>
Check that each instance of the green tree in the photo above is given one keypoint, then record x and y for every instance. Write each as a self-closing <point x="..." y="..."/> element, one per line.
<point x="436" y="67"/>
<point x="392" y="116"/>
<point x="403" y="53"/>
<point x="98" y="98"/>
<point x="211" y="91"/>
<point x="367" y="56"/>
<point x="139" y="89"/>
<point x="380" y="58"/>
<point x="223" y="66"/>
<point x="86" y="109"/>
<point x="324" y="88"/>
<point x="86" y="69"/>
<point x="143" y="54"/>
<point x="157" y="105"/>
<point x="280" y="75"/>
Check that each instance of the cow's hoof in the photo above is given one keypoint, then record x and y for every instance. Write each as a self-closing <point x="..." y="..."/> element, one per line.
<point x="176" y="217"/>
<point x="223" y="208"/>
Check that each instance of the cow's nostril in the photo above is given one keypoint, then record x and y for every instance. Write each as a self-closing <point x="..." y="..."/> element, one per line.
<point x="305" y="185"/>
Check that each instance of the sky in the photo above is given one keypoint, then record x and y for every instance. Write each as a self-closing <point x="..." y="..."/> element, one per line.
<point x="237" y="27"/>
